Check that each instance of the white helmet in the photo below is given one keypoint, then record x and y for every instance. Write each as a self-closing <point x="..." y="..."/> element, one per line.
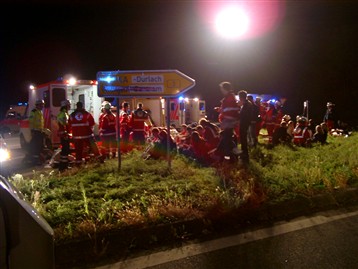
<point x="286" y="117"/>
<point x="39" y="102"/>
<point x="65" y="103"/>
<point x="105" y="103"/>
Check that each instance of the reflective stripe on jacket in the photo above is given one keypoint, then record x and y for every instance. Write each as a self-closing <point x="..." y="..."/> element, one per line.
<point x="81" y="123"/>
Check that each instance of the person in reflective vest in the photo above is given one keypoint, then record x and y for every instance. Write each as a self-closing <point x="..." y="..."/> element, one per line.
<point x="36" y="124"/>
<point x="138" y="119"/>
<point x="270" y="119"/>
<point x="124" y="131"/>
<point x="102" y="110"/>
<point x="107" y="132"/>
<point x="82" y="123"/>
<point x="229" y="119"/>
<point x="124" y="109"/>
<point x="301" y="134"/>
<point x="64" y="134"/>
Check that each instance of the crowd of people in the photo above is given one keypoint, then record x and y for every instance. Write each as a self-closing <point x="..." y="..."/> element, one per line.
<point x="238" y="126"/>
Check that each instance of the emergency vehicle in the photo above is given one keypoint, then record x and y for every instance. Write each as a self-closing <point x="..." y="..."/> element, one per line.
<point x="182" y="110"/>
<point x="13" y="117"/>
<point x="53" y="93"/>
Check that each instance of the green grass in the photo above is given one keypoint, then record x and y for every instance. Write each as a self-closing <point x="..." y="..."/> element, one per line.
<point x="145" y="192"/>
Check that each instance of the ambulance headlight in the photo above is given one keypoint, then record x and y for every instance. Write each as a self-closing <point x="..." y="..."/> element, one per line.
<point x="4" y="155"/>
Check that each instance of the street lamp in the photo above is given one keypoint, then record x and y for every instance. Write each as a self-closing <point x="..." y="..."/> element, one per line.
<point x="32" y="87"/>
<point x="232" y="22"/>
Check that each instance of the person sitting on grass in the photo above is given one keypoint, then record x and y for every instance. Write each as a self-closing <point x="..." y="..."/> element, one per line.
<point x="211" y="133"/>
<point x="159" y="149"/>
<point x="319" y="135"/>
<point x="280" y="135"/>
<point x="290" y="128"/>
<point x="301" y="134"/>
<point x="199" y="149"/>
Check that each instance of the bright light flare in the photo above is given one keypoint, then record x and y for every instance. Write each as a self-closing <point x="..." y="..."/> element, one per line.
<point x="72" y="81"/>
<point x="232" y="22"/>
<point x="4" y="155"/>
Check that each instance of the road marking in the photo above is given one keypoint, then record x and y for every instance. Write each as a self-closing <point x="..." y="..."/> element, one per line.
<point x="225" y="242"/>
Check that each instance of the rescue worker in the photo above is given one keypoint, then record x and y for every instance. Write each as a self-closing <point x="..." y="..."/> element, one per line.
<point x="228" y="118"/>
<point x="270" y="120"/>
<point x="82" y="123"/>
<point x="107" y="132"/>
<point x="64" y="134"/>
<point x="36" y="124"/>
<point x="125" y="131"/>
<point x="125" y="109"/>
<point x="102" y="110"/>
<point x="279" y="114"/>
<point x="245" y="122"/>
<point x="301" y="135"/>
<point x="330" y="117"/>
<point x="138" y="120"/>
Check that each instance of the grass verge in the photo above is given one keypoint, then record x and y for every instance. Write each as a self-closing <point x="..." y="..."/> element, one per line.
<point x="98" y="198"/>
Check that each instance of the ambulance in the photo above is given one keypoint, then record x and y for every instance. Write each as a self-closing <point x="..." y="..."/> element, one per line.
<point x="182" y="109"/>
<point x="53" y="93"/>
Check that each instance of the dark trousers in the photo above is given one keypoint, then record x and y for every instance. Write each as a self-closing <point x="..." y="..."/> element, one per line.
<point x="65" y="151"/>
<point x="37" y="143"/>
<point x="226" y="143"/>
<point x="243" y="141"/>
<point x="252" y="134"/>
<point x="139" y="137"/>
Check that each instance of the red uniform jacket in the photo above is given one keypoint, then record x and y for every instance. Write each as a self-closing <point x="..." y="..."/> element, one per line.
<point x="300" y="135"/>
<point x="229" y="108"/>
<point x="107" y="124"/>
<point x="81" y="123"/>
<point x="138" y="119"/>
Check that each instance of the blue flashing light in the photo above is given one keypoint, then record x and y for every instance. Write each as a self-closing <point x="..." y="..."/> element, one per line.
<point x="107" y="79"/>
<point x="19" y="104"/>
<point x="181" y="98"/>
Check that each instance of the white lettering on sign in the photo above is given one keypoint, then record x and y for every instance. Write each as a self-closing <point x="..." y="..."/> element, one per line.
<point x="136" y="89"/>
<point x="148" y="79"/>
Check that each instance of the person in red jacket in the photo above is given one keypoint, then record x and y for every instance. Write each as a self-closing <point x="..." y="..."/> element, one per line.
<point x="270" y="120"/>
<point x="228" y="118"/>
<point x="211" y="134"/>
<point x="138" y="120"/>
<point x="125" y="131"/>
<point x="107" y="132"/>
<point x="301" y="134"/>
<point x="81" y="123"/>
<point x="199" y="149"/>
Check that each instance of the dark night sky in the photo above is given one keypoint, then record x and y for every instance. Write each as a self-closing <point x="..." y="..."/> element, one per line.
<point x="310" y="54"/>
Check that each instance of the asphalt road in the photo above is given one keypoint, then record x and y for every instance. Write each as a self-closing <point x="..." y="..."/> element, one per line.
<point x="14" y="165"/>
<point x="326" y="240"/>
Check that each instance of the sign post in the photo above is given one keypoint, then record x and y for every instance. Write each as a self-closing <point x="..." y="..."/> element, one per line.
<point x="168" y="130"/>
<point x="118" y="136"/>
<point x="143" y="83"/>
